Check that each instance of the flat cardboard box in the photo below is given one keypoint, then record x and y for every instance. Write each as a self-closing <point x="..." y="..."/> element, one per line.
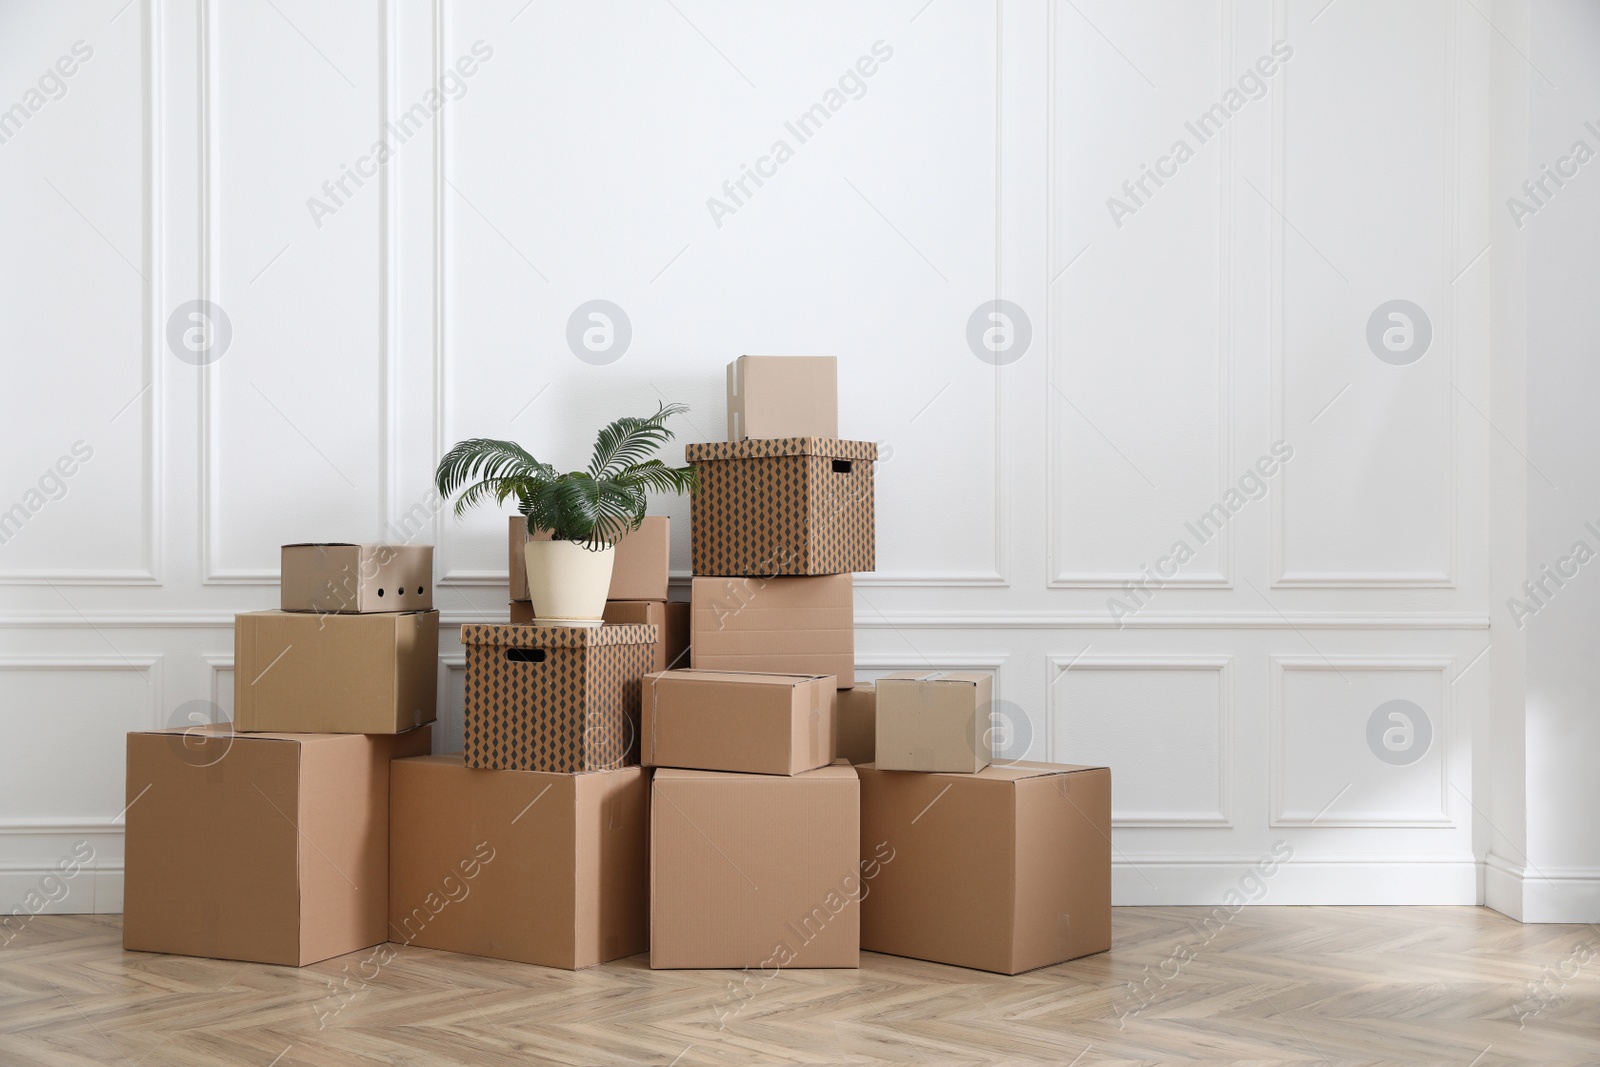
<point x="335" y="577"/>
<point x="781" y="625"/>
<point x="856" y="723"/>
<point x="934" y="721"/>
<point x="670" y="619"/>
<point x="793" y="505"/>
<point x="783" y="396"/>
<point x="271" y="848"/>
<point x="1005" y="870"/>
<point x="550" y="869"/>
<point x="639" y="561"/>
<point x="755" y="870"/>
<point x="561" y="699"/>
<point x="296" y="672"/>
<point x="738" y="721"/>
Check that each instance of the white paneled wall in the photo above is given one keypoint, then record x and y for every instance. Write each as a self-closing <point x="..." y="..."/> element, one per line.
<point x="397" y="207"/>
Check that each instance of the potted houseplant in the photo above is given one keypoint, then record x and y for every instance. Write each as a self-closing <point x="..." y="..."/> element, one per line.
<point x="585" y="512"/>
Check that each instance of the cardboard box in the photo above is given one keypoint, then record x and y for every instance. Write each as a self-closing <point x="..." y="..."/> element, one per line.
<point x="550" y="869"/>
<point x="335" y="577"/>
<point x="934" y="721"/>
<point x="671" y="620"/>
<point x="561" y="699"/>
<point x="856" y="723"/>
<point x="794" y="505"/>
<point x="1004" y="870"/>
<point x="755" y="870"/>
<point x="272" y="848"/>
<point x="783" y="396"/>
<point x="782" y="625"/>
<point x="738" y="721"/>
<point x="638" y="563"/>
<point x="296" y="672"/>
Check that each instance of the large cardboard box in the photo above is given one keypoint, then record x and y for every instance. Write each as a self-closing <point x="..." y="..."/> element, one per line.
<point x="793" y="505"/>
<point x="549" y="869"/>
<point x="934" y="721"/>
<point x="337" y="577"/>
<point x="782" y="625"/>
<point x="272" y="848"/>
<point x="856" y="728"/>
<point x="638" y="562"/>
<point x="783" y="396"/>
<point x="296" y="672"/>
<point x="738" y="721"/>
<point x="561" y="699"/>
<point x="1004" y="870"/>
<point x="755" y="870"/>
<point x="670" y="619"/>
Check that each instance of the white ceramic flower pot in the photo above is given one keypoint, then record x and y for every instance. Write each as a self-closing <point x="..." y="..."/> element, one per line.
<point x="567" y="583"/>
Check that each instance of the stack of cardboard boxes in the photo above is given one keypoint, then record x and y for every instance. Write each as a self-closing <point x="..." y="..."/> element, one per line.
<point x="270" y="841"/>
<point x="670" y="780"/>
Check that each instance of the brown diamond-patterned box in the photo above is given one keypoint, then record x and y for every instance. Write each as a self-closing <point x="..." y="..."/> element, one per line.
<point x="786" y="505"/>
<point x="561" y="699"/>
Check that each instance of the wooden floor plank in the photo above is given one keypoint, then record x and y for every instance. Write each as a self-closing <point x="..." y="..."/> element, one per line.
<point x="1271" y="986"/>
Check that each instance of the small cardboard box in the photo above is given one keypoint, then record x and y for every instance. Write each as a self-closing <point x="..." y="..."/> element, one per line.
<point x="783" y="396"/>
<point x="560" y="699"/>
<point x="1004" y="870"/>
<point x="296" y="672"/>
<point x="755" y="870"/>
<point x="793" y="505"/>
<point x="856" y="728"/>
<point x="933" y="721"/>
<point x="671" y="620"/>
<point x="782" y="625"/>
<point x="272" y="848"/>
<point x="550" y="869"/>
<point x="738" y="721"/>
<point x="638" y="563"/>
<point x="335" y="577"/>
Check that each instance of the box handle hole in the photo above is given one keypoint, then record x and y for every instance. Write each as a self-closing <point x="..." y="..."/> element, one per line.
<point x="842" y="466"/>
<point x="380" y="592"/>
<point x="524" y="655"/>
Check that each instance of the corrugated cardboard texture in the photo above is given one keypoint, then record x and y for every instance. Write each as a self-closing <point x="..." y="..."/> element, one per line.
<point x="857" y="723"/>
<point x="549" y="869"/>
<point x="313" y="673"/>
<point x="933" y="721"/>
<point x="783" y="396"/>
<point x="671" y="620"/>
<point x="638" y="563"/>
<point x="750" y="870"/>
<point x="798" y="505"/>
<point x="561" y="699"/>
<point x="1004" y="870"/>
<point x="356" y="578"/>
<point x="271" y="848"/>
<point x="781" y="625"/>
<point x="738" y="721"/>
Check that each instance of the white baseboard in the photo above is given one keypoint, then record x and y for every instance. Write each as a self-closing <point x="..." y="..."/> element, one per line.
<point x="92" y="891"/>
<point x="1542" y="895"/>
<point x="1145" y="881"/>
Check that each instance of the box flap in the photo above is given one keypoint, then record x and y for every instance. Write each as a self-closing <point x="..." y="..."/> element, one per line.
<point x="765" y="447"/>
<point x="533" y="635"/>
<point x="839" y="770"/>
<point x="1004" y="772"/>
<point x="747" y="677"/>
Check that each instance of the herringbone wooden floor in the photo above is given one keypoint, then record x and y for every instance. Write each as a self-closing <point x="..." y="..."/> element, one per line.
<point x="1457" y="986"/>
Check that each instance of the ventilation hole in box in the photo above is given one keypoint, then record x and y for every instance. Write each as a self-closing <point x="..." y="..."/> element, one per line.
<point x="842" y="466"/>
<point x="524" y="655"/>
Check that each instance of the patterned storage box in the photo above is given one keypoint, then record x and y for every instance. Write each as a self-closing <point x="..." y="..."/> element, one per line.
<point x="561" y="699"/>
<point x="784" y="505"/>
